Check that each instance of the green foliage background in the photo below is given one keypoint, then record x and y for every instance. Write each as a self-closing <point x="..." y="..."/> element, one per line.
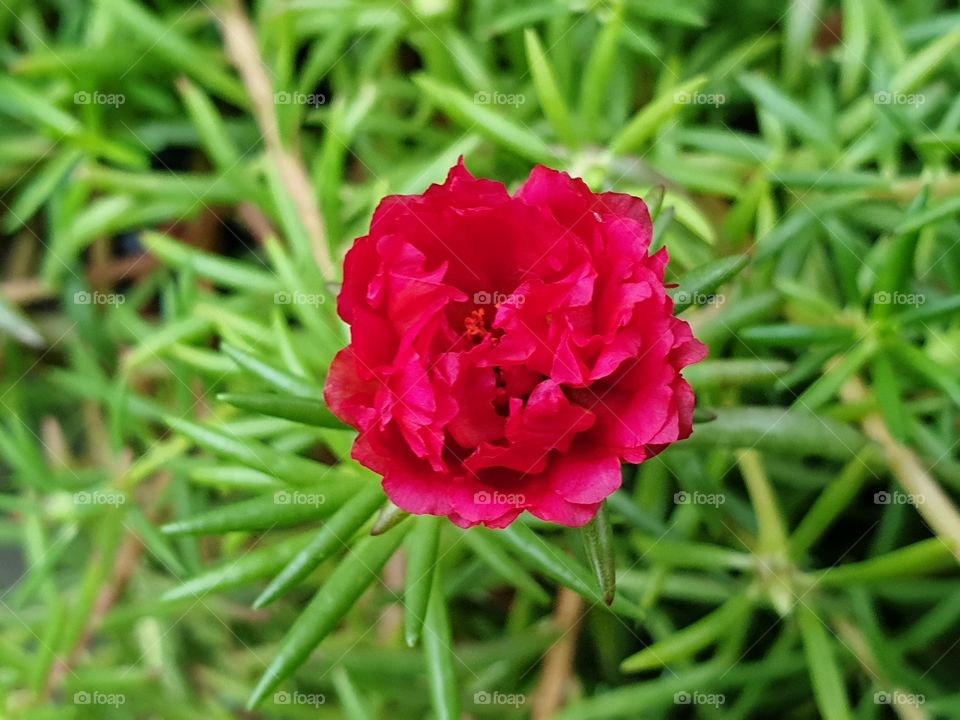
<point x="183" y="533"/>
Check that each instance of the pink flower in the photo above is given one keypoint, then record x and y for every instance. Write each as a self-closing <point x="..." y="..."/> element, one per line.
<point x="509" y="351"/>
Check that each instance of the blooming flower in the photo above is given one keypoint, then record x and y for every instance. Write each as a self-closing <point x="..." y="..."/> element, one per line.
<point x="508" y="351"/>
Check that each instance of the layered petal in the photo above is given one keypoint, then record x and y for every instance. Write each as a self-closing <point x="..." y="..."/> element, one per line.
<point x="508" y="352"/>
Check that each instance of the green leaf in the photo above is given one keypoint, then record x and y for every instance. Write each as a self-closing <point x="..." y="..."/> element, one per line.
<point x="439" y="654"/>
<point x="926" y="367"/>
<point x="916" y="70"/>
<point x="224" y="271"/>
<point x="888" y="389"/>
<point x="735" y="373"/>
<point x="939" y="308"/>
<point x="335" y="534"/>
<point x="274" y="377"/>
<point x="168" y="335"/>
<point x="37" y="190"/>
<point x="792" y="433"/>
<point x="597" y="72"/>
<point x="771" y="535"/>
<point x="390" y="516"/>
<point x="654" y="201"/>
<point x="661" y="693"/>
<point x="239" y="571"/>
<point x="788" y="111"/>
<point x="598" y="543"/>
<point x="36" y="109"/>
<point x="691" y="555"/>
<point x="918" y="559"/>
<point x="283" y="508"/>
<point x="828" y="384"/>
<point x="301" y="410"/>
<point x="898" y="264"/>
<point x="551" y="99"/>
<point x="16" y="324"/>
<point x="654" y="116"/>
<point x="208" y="122"/>
<point x="834" y="499"/>
<point x="158" y="545"/>
<point x="542" y="556"/>
<point x="163" y="38"/>
<point x="289" y="467"/>
<point x="498" y="560"/>
<point x="469" y="113"/>
<point x="856" y="42"/>
<point x="422" y="549"/>
<point x="352" y="576"/>
<point x="825" y="673"/>
<point x="354" y="705"/>
<point x="802" y="23"/>
<point x="826" y="180"/>
<point x="687" y="642"/>
<point x="795" y="335"/>
<point x="232" y="477"/>
<point x="696" y="286"/>
<point x="924" y="217"/>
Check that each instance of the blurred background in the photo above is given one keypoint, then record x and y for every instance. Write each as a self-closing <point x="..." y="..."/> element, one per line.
<point x="178" y="184"/>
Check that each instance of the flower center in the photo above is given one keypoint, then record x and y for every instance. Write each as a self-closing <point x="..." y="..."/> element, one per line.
<point x="475" y="325"/>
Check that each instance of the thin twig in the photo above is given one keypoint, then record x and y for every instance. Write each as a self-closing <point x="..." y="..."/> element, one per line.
<point x="241" y="45"/>
<point x="935" y="506"/>
<point x="555" y="678"/>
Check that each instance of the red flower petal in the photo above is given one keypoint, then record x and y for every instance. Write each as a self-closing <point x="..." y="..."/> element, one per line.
<point x="508" y="352"/>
